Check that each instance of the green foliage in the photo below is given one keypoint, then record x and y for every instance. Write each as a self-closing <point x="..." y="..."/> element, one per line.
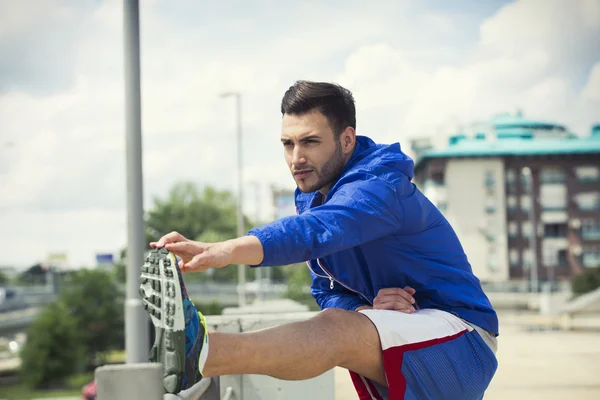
<point x="52" y="350"/>
<point x="207" y="216"/>
<point x="299" y="281"/>
<point x="95" y="304"/>
<point x="120" y="269"/>
<point x="3" y="278"/>
<point x="586" y="281"/>
<point x="211" y="308"/>
<point x="193" y="213"/>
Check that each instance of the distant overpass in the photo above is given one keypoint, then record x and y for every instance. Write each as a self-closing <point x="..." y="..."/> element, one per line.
<point x="15" y="321"/>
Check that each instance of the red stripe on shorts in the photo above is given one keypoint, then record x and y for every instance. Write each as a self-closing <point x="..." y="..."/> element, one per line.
<point x="392" y="363"/>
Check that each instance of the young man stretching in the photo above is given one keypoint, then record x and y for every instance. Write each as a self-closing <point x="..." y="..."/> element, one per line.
<point x="402" y="310"/>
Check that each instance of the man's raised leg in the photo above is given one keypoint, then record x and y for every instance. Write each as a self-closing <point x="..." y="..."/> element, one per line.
<point x="293" y="351"/>
<point x="300" y="350"/>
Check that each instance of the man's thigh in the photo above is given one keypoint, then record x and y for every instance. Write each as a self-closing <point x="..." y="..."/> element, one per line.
<point x="356" y="340"/>
<point x="430" y="354"/>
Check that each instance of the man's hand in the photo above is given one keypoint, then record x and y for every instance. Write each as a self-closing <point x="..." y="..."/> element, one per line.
<point x="395" y="299"/>
<point x="195" y="256"/>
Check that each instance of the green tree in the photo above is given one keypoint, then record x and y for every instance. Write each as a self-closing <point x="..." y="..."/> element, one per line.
<point x="299" y="281"/>
<point x="3" y="278"/>
<point x="95" y="303"/>
<point x="586" y="281"/>
<point x="209" y="216"/>
<point x="120" y="269"/>
<point x="52" y="350"/>
<point x="192" y="213"/>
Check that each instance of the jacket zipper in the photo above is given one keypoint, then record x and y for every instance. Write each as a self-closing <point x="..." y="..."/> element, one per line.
<point x="332" y="279"/>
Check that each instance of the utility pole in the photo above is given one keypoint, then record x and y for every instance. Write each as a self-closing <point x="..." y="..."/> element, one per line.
<point x="137" y="340"/>
<point x="240" y="215"/>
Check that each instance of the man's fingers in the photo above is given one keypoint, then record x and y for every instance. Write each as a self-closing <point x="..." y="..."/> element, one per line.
<point x="410" y="290"/>
<point x="170" y="238"/>
<point x="393" y="292"/>
<point x="196" y="264"/>
<point x="180" y="247"/>
<point x="395" y="306"/>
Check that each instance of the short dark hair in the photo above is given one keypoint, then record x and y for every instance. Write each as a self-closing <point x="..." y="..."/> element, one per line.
<point x="333" y="101"/>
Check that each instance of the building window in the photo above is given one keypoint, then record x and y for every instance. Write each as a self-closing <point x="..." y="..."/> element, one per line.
<point x="562" y="258"/>
<point x="590" y="257"/>
<point x="490" y="179"/>
<point x="513" y="229"/>
<point x="549" y="256"/>
<point x="513" y="256"/>
<point x="526" y="229"/>
<point x="437" y="178"/>
<point x="527" y="258"/>
<point x="490" y="204"/>
<point x="442" y="206"/>
<point x="525" y="183"/>
<point x="525" y="203"/>
<point x="588" y="201"/>
<point x="587" y="174"/>
<point x="511" y="204"/>
<point x="553" y="197"/>
<point x="552" y="175"/>
<point x="590" y="229"/>
<point x="511" y="180"/>
<point x="555" y="230"/>
<point x="490" y="182"/>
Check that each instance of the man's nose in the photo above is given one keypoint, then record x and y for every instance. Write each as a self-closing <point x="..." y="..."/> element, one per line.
<point x="298" y="156"/>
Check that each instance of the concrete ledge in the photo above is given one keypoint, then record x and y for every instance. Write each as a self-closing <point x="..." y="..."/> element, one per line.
<point x="130" y="382"/>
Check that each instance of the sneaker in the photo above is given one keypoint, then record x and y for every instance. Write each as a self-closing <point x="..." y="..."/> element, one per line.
<point x="181" y="336"/>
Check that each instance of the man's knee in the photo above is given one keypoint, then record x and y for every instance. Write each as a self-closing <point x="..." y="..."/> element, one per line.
<point x="349" y="328"/>
<point x="356" y="341"/>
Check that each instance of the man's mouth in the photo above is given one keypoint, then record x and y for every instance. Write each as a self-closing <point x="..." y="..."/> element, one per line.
<point x="302" y="174"/>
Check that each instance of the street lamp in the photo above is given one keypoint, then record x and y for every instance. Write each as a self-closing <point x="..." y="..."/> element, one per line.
<point x="240" y="216"/>
<point x="528" y="177"/>
<point x="137" y="338"/>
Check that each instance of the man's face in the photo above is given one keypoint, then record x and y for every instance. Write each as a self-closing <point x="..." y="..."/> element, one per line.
<point x="313" y="153"/>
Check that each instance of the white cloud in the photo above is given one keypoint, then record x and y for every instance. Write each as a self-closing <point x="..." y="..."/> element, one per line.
<point x="411" y="70"/>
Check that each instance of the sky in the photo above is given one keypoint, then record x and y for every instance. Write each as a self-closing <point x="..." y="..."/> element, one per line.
<point x="415" y="68"/>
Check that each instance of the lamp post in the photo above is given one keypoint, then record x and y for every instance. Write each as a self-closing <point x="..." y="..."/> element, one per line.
<point x="240" y="216"/>
<point x="533" y="273"/>
<point x="137" y="341"/>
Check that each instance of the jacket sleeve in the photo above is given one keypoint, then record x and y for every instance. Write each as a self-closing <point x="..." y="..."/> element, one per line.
<point x="357" y="213"/>
<point x="338" y="297"/>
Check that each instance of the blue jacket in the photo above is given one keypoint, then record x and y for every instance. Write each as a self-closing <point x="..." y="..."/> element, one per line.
<point x="376" y="230"/>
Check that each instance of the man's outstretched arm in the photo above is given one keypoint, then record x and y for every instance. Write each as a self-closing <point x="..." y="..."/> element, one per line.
<point x="358" y="213"/>
<point x="198" y="256"/>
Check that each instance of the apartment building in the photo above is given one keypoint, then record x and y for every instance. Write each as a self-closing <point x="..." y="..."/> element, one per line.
<point x="523" y="196"/>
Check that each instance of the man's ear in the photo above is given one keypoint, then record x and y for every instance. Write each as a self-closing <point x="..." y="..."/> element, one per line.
<point x="348" y="140"/>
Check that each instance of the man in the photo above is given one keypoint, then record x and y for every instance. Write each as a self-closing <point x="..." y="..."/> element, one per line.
<point x="402" y="309"/>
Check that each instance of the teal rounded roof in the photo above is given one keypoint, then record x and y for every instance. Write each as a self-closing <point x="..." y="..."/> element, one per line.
<point x="510" y="121"/>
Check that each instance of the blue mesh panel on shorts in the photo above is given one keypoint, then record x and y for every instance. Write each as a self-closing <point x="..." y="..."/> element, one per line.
<point x="460" y="369"/>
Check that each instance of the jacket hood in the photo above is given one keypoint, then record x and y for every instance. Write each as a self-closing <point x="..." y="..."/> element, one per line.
<point x="369" y="155"/>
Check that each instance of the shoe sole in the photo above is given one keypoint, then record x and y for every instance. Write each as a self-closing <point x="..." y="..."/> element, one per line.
<point x="161" y="296"/>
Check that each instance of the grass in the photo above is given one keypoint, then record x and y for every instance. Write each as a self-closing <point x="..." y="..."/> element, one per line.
<point x="20" y="391"/>
<point x="72" y="388"/>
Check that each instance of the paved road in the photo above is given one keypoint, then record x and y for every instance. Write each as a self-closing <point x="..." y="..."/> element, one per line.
<point x="554" y="365"/>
